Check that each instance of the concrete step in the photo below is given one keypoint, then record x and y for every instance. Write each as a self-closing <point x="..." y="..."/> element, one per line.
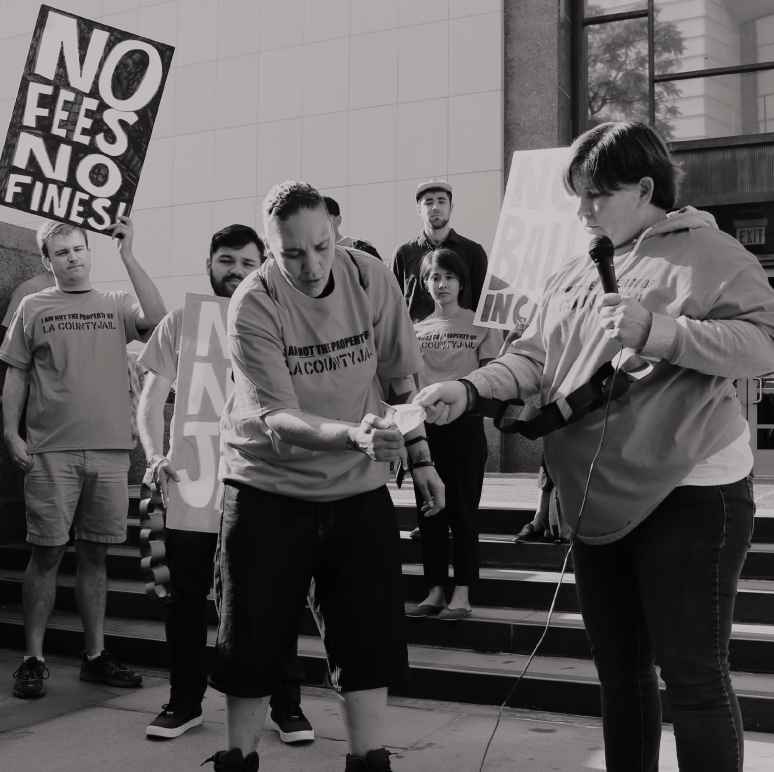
<point x="491" y="629"/>
<point x="527" y="588"/>
<point x="496" y="551"/>
<point x="551" y="683"/>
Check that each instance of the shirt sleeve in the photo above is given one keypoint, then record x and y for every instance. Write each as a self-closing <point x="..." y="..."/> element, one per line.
<point x="735" y="340"/>
<point x="489" y="347"/>
<point x="16" y="349"/>
<point x="13" y="304"/>
<point x="262" y="383"/>
<point x="131" y="313"/>
<point x="517" y="372"/>
<point x="397" y="268"/>
<point x="394" y="337"/>
<point x="162" y="351"/>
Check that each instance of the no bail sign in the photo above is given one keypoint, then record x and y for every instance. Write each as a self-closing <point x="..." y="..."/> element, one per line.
<point x="82" y="120"/>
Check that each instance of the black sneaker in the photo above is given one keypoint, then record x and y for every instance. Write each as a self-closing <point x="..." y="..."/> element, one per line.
<point x="293" y="726"/>
<point x="233" y="761"/>
<point x="172" y="722"/>
<point x="106" y="669"/>
<point x="29" y="679"/>
<point x="374" y="761"/>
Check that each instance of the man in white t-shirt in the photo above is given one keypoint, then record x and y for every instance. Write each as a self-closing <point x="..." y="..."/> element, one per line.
<point x="66" y="350"/>
<point x="235" y="251"/>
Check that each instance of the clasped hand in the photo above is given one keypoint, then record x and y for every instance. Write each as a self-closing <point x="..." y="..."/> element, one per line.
<point x="378" y="438"/>
<point x="381" y="440"/>
<point x="625" y="320"/>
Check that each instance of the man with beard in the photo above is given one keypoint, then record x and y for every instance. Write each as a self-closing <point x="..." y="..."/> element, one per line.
<point x="434" y="205"/>
<point x="235" y="251"/>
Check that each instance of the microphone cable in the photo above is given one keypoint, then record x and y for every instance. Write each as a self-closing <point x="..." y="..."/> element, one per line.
<point x="567" y="554"/>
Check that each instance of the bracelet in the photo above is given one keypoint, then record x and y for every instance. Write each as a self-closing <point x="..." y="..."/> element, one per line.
<point x="471" y="395"/>
<point x="419" y="464"/>
<point x="415" y="440"/>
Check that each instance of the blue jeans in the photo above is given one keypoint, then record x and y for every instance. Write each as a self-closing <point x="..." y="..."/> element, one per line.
<point x="664" y="595"/>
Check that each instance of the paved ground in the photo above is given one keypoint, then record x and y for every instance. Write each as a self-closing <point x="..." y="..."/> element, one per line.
<point x="81" y="727"/>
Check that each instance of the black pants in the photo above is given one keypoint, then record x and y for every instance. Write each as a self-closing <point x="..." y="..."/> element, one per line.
<point x="190" y="556"/>
<point x="270" y="548"/>
<point x="459" y="451"/>
<point x="664" y="595"/>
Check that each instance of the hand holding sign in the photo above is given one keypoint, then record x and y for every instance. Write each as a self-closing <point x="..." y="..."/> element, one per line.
<point x="123" y="230"/>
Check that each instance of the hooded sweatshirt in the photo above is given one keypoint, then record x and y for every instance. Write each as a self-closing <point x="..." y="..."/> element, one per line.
<point x="713" y="321"/>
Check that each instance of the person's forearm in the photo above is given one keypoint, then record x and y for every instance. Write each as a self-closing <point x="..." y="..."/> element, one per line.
<point x="150" y="414"/>
<point x="147" y="293"/>
<point x="150" y="426"/>
<point x="312" y="432"/>
<point x="14" y="396"/>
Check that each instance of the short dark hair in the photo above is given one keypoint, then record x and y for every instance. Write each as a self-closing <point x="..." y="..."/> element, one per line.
<point x="287" y="198"/>
<point x="49" y="228"/>
<point x="614" y="154"/>
<point x="236" y="236"/>
<point x="334" y="210"/>
<point x="448" y="260"/>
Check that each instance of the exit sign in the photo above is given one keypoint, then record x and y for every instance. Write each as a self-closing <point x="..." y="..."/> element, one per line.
<point x="751" y="235"/>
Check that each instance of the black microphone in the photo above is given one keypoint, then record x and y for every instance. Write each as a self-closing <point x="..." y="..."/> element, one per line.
<point x="601" y="252"/>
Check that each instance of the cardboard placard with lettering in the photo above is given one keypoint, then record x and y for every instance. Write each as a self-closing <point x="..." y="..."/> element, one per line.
<point x="538" y="230"/>
<point x="82" y="121"/>
<point x="203" y="385"/>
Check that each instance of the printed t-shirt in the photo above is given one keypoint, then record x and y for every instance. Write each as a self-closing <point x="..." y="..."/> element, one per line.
<point x="35" y="283"/>
<point x="162" y="351"/>
<point x="73" y="345"/>
<point x="329" y="356"/>
<point x="453" y="347"/>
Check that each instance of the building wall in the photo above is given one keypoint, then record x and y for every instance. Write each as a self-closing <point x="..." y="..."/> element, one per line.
<point x="363" y="98"/>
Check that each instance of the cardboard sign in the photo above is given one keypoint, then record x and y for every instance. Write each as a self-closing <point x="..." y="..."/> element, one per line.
<point x="203" y="385"/>
<point x="82" y="120"/>
<point x="537" y="232"/>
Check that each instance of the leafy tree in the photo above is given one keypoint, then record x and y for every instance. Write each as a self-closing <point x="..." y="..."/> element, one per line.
<point x="617" y="61"/>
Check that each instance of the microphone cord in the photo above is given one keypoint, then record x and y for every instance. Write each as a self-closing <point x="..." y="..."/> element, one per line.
<point x="567" y="554"/>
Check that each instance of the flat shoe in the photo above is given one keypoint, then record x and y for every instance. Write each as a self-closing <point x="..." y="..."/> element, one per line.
<point x="529" y="533"/>
<point x="425" y="610"/>
<point x="450" y="614"/>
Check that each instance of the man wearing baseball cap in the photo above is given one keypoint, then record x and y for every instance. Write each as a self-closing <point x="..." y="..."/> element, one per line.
<point x="434" y="205"/>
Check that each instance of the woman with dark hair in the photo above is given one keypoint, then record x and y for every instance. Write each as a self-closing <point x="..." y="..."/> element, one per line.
<point x="451" y="345"/>
<point x="656" y="485"/>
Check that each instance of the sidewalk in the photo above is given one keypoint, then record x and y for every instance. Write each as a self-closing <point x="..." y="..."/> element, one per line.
<point x="80" y="727"/>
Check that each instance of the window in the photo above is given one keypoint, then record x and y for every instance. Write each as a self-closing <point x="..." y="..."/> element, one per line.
<point x="695" y="69"/>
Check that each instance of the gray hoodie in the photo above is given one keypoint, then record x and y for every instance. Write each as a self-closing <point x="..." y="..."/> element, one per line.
<point x="713" y="321"/>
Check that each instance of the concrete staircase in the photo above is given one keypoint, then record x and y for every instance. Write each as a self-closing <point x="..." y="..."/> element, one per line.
<point x="473" y="660"/>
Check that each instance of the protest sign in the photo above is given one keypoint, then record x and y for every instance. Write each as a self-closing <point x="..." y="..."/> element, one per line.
<point x="203" y="385"/>
<point x="82" y="121"/>
<point x="537" y="232"/>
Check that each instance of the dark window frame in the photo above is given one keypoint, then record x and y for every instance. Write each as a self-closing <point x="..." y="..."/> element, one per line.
<point x="580" y="22"/>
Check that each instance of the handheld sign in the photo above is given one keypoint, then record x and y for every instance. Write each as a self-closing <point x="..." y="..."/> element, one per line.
<point x="82" y="121"/>
<point x="203" y="385"/>
<point x="537" y="232"/>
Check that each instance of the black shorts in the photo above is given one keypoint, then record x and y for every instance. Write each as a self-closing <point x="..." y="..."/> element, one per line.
<point x="269" y="549"/>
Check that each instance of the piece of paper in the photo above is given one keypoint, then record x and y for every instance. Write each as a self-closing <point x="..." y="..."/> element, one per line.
<point x="406" y="417"/>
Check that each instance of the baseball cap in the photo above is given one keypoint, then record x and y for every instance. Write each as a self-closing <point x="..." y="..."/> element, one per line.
<point x="433" y="184"/>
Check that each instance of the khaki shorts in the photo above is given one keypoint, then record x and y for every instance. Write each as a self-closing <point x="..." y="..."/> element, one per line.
<point x="86" y="490"/>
